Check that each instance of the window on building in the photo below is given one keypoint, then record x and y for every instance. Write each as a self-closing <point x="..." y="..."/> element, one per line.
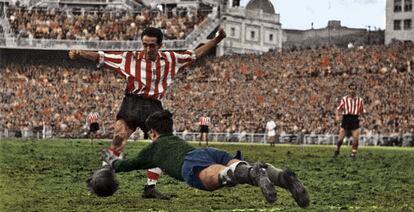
<point x="407" y="24"/>
<point x="397" y="24"/>
<point x="252" y="34"/>
<point x="408" y="5"/>
<point x="232" y="32"/>
<point x="271" y="37"/>
<point x="397" y="5"/>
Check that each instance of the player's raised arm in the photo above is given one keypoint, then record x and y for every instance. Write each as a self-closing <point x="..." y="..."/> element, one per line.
<point x="112" y="60"/>
<point x="90" y="55"/>
<point x="202" y="50"/>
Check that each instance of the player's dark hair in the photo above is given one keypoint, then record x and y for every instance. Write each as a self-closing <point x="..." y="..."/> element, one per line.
<point x="153" y="32"/>
<point x="161" y="122"/>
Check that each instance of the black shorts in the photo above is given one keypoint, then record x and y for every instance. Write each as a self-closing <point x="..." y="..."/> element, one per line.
<point x="93" y="127"/>
<point x="350" y="122"/>
<point x="203" y="129"/>
<point x="135" y="110"/>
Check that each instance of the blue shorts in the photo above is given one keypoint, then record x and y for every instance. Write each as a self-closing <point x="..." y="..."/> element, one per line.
<point x="199" y="159"/>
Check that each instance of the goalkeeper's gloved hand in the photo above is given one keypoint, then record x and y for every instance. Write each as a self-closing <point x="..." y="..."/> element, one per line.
<point x="109" y="157"/>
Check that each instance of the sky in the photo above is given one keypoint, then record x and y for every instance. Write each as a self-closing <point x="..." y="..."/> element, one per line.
<point x="299" y="14"/>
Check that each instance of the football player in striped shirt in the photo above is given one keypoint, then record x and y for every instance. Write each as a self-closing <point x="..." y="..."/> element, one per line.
<point x="148" y="73"/>
<point x="351" y="107"/>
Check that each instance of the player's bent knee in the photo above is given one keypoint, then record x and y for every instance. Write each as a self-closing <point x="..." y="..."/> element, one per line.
<point x="209" y="177"/>
<point x="227" y="176"/>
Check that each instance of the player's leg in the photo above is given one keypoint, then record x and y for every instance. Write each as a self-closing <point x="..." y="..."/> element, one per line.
<point x="97" y="133"/>
<point x="211" y="169"/>
<point x="272" y="140"/>
<point x="91" y="136"/>
<point x="206" y="134"/>
<point x="340" y="141"/>
<point x="238" y="172"/>
<point x="287" y="179"/>
<point x="150" y="190"/>
<point x="209" y="176"/>
<point x="206" y="138"/>
<point x="355" y="142"/>
<point x="121" y="134"/>
<point x="201" y="135"/>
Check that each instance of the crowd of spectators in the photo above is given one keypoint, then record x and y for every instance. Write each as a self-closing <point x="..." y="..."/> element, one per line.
<point x="299" y="90"/>
<point x="105" y="25"/>
<point x="37" y="95"/>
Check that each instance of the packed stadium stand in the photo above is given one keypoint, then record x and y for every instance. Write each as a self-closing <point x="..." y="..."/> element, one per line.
<point x="299" y="88"/>
<point x="96" y="25"/>
<point x="62" y="24"/>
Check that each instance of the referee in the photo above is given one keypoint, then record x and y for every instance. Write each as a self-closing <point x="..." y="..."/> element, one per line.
<point x="351" y="107"/>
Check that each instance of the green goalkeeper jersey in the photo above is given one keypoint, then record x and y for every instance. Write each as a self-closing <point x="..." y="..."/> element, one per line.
<point x="167" y="152"/>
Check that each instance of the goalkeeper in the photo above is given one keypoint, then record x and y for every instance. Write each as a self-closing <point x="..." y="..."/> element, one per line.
<point x="206" y="168"/>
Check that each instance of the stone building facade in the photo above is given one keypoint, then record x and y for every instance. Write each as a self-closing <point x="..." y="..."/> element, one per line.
<point x="399" y="21"/>
<point x="333" y="34"/>
<point x="253" y="29"/>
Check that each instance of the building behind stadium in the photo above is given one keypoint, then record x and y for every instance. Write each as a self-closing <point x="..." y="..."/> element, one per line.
<point x="399" y="21"/>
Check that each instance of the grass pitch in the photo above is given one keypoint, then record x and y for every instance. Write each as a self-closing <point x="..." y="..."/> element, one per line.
<point x="37" y="175"/>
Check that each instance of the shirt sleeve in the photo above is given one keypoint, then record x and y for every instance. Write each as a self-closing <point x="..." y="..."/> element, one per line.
<point x="341" y="104"/>
<point x="361" y="107"/>
<point x="184" y="59"/>
<point x="142" y="161"/>
<point x="115" y="60"/>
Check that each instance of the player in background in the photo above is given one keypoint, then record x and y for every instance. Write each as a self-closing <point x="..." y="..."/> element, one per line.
<point x="204" y="122"/>
<point x="148" y="74"/>
<point x="351" y="107"/>
<point x="92" y="119"/>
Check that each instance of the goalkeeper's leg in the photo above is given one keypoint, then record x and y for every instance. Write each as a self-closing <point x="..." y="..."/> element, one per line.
<point x="238" y="172"/>
<point x="122" y="133"/>
<point x="287" y="179"/>
<point x="149" y="189"/>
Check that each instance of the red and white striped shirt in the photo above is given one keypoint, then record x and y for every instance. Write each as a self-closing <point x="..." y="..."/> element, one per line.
<point x="92" y="117"/>
<point x="204" y="120"/>
<point x="145" y="77"/>
<point x="351" y="106"/>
